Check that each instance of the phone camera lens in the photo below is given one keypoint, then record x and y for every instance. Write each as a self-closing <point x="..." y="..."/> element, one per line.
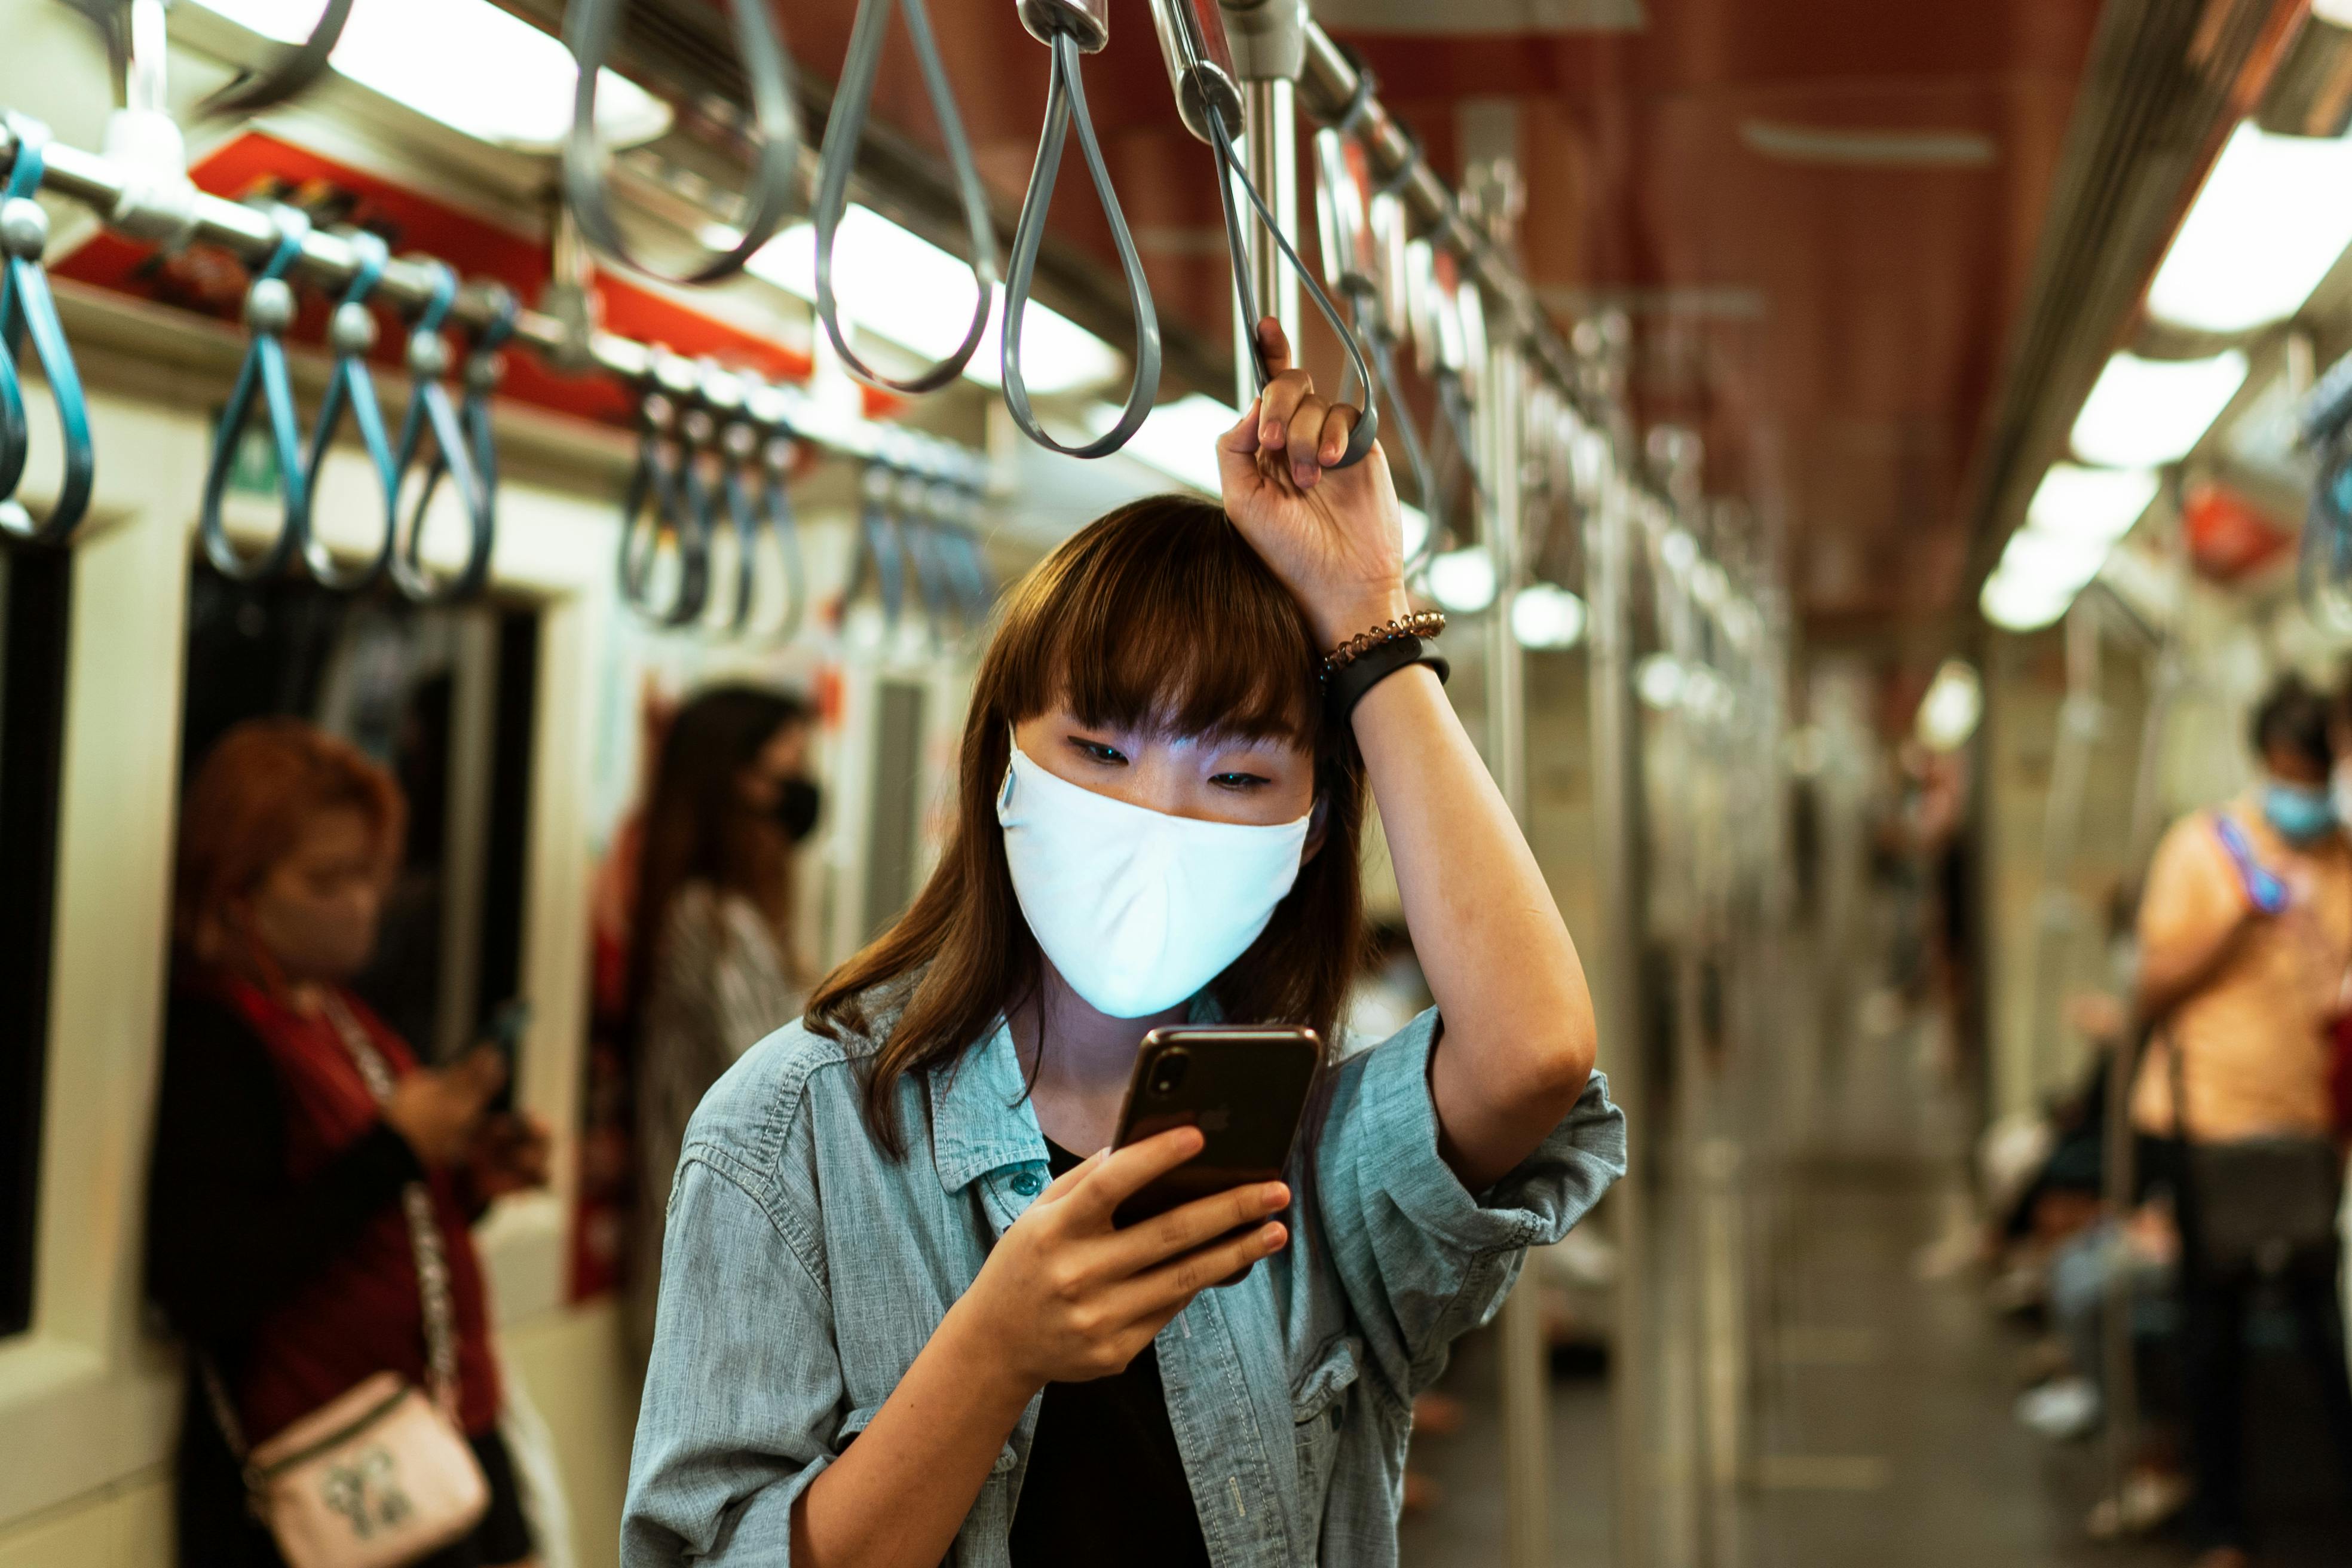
<point x="1168" y="1073"/>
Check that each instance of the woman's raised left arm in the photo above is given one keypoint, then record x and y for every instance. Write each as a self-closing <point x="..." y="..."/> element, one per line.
<point x="1519" y="1037"/>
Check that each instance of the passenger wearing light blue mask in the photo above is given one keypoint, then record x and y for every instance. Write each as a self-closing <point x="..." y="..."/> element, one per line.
<point x="896" y="1326"/>
<point x="2245" y="940"/>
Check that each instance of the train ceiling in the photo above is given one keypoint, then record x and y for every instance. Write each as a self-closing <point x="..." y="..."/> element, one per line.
<point x="1821" y="216"/>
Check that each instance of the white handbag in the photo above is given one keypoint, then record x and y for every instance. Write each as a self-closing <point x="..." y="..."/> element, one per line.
<point x="382" y="1475"/>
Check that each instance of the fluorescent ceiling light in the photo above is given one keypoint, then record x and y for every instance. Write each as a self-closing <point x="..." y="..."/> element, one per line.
<point x="1462" y="581"/>
<point x="2061" y="560"/>
<point x="1179" y="438"/>
<point x="2017" y="604"/>
<point x="1547" y="616"/>
<point x="465" y="63"/>
<point x="2097" y="505"/>
<point x="2143" y="412"/>
<point x="901" y="287"/>
<point x="1948" y="712"/>
<point x="2267" y="226"/>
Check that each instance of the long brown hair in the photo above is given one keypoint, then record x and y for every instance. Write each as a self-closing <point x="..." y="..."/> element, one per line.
<point x="699" y="826"/>
<point x="1157" y="615"/>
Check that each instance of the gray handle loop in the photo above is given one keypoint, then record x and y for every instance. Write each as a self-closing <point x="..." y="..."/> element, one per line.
<point x="776" y="502"/>
<point x="1232" y="173"/>
<point x="590" y="27"/>
<point x="1066" y="101"/>
<point x="843" y="132"/>
<point x="287" y="75"/>
<point x="878" y="555"/>
<point x="666" y="498"/>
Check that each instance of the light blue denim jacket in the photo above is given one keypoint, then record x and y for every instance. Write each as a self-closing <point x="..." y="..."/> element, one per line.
<point x="803" y="1270"/>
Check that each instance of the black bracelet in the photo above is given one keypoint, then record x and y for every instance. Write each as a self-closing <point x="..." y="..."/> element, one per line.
<point x="1347" y="685"/>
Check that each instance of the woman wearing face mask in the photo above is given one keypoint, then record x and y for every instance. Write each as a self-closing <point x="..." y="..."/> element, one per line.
<point x="896" y="1323"/>
<point x="2245" y="943"/>
<point x="299" y="1147"/>
<point x="713" y="969"/>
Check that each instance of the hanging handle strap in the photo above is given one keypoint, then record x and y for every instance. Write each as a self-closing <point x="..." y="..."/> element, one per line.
<point x="26" y="309"/>
<point x="289" y="74"/>
<point x="591" y="27"/>
<point x="878" y="546"/>
<point x="268" y="312"/>
<point x="662" y="501"/>
<point x="738" y="445"/>
<point x="432" y="413"/>
<point x="1065" y="104"/>
<point x="918" y="533"/>
<point x="351" y="334"/>
<point x="843" y="132"/>
<point x="776" y="503"/>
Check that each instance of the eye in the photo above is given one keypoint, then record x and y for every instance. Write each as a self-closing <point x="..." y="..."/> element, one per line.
<point x="1108" y="756"/>
<point x="1240" y="781"/>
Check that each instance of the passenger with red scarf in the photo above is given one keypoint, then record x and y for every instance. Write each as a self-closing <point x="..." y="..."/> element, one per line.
<point x="276" y="1244"/>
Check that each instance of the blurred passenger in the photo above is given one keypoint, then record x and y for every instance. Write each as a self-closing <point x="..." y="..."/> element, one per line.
<point x="713" y="964"/>
<point x="898" y="1325"/>
<point x="2245" y="946"/>
<point x="304" y="1161"/>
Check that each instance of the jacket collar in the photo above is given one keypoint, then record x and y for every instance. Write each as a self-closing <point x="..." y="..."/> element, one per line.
<point x="982" y="1119"/>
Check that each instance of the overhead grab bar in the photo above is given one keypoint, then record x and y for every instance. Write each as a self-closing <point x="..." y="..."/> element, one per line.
<point x="844" y="130"/>
<point x="590" y="27"/>
<point x="268" y="312"/>
<point x="351" y="334"/>
<point x="430" y="413"/>
<point x="664" y="499"/>
<point x="1209" y="103"/>
<point x="26" y="309"/>
<point x="1071" y="28"/>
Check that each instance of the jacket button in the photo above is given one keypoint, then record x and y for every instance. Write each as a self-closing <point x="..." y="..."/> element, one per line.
<point x="1028" y="1183"/>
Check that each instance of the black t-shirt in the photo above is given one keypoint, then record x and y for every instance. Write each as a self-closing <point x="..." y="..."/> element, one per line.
<point x="1104" y="1482"/>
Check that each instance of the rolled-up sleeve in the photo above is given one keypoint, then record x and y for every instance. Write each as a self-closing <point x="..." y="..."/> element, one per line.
<point x="743" y="1395"/>
<point x="1421" y="1258"/>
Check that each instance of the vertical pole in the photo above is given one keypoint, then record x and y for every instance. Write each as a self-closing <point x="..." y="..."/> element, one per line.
<point x="1268" y="40"/>
<point x="1616" y="996"/>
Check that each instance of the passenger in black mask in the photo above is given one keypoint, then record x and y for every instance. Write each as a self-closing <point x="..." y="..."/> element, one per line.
<point x="714" y="967"/>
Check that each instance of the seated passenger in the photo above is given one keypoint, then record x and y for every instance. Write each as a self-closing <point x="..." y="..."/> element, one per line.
<point x="893" y="1302"/>
<point x="291" y="1129"/>
<point x="714" y="968"/>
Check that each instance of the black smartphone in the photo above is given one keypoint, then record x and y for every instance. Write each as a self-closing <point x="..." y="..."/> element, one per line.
<point x="505" y="1028"/>
<point x="1246" y="1090"/>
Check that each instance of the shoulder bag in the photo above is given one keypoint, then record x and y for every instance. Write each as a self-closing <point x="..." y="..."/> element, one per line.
<point x="382" y="1475"/>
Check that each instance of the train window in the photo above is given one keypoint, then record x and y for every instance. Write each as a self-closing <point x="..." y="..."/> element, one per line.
<point x="443" y="696"/>
<point x="33" y="595"/>
<point x="890" y="846"/>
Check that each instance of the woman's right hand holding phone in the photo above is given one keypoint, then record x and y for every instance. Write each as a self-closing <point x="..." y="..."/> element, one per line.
<point x="1067" y="1296"/>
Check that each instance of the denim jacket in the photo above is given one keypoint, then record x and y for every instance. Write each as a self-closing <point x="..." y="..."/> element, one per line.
<point x="803" y="1270"/>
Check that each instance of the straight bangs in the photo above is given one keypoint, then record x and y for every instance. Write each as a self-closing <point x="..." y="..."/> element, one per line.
<point x="1160" y="617"/>
<point x="1157" y="617"/>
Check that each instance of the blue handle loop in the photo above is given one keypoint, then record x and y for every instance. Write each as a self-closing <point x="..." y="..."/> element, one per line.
<point x="268" y="312"/>
<point x="776" y="501"/>
<point x="484" y="367"/>
<point x="1066" y="101"/>
<point x="662" y="500"/>
<point x="431" y="412"/>
<point x="27" y="308"/>
<point x="878" y="546"/>
<point x="351" y="334"/>
<point x="845" y="128"/>
<point x="1233" y="174"/>
<point x="918" y="533"/>
<point x="2324" y="562"/>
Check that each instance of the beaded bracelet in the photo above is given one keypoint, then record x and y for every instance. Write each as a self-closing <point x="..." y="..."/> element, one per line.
<point x="1419" y="623"/>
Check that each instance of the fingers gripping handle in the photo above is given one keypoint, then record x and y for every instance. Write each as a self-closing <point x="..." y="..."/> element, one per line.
<point x="843" y="130"/>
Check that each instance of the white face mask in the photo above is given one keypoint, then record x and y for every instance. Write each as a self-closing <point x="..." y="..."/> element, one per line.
<point x="1136" y="908"/>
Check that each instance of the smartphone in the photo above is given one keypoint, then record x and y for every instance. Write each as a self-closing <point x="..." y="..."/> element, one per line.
<point x="505" y="1028"/>
<point x="1246" y="1090"/>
